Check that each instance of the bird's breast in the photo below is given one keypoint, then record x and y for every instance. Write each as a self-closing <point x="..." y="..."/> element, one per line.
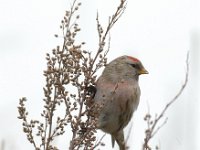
<point x="120" y="101"/>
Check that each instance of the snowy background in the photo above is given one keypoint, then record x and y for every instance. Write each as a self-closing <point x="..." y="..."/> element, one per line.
<point x="158" y="32"/>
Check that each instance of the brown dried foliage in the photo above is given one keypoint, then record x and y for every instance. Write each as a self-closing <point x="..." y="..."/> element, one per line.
<point x="69" y="67"/>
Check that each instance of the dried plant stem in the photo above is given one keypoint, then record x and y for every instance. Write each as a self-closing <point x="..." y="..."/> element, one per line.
<point x="153" y="127"/>
<point x="102" y="39"/>
<point x="69" y="67"/>
<point x="49" y="139"/>
<point x="99" y="142"/>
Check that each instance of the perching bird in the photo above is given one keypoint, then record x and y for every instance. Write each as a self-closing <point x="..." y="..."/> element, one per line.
<point x="118" y="91"/>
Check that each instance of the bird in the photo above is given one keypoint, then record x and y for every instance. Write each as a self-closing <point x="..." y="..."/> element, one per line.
<point x="117" y="93"/>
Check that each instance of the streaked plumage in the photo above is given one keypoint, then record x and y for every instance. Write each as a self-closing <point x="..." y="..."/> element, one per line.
<point x="118" y="90"/>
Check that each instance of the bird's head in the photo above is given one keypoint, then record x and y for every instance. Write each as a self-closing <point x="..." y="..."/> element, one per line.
<point x="125" y="66"/>
<point x="135" y="65"/>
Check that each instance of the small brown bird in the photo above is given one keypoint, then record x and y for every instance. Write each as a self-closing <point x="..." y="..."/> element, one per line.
<point x="118" y="92"/>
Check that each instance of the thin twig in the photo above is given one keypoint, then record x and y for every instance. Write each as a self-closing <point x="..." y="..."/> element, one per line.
<point x="99" y="142"/>
<point x="128" y="135"/>
<point x="152" y="128"/>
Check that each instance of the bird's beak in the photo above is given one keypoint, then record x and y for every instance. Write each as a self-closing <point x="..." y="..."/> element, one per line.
<point x="143" y="71"/>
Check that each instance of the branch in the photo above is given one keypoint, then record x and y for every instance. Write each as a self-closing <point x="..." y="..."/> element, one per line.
<point x="153" y="127"/>
<point x="99" y="142"/>
<point x="69" y="67"/>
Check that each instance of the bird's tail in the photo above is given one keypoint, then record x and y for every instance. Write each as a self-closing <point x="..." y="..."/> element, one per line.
<point x="113" y="141"/>
<point x="119" y="138"/>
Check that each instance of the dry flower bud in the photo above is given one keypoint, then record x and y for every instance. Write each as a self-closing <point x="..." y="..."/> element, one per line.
<point x="76" y="8"/>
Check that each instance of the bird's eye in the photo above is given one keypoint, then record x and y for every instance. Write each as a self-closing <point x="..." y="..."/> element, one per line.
<point x="133" y="65"/>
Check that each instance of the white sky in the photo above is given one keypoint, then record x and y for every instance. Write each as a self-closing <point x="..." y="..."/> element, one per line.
<point x="158" y="32"/>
